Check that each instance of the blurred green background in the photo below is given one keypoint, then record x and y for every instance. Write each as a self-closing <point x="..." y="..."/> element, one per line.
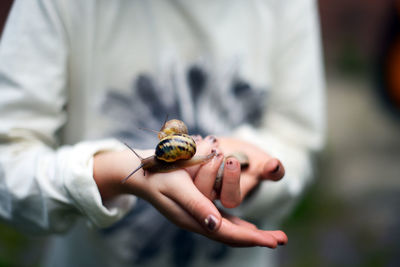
<point x="350" y="216"/>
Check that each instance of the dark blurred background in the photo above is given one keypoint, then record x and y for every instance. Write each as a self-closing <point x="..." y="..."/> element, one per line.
<point x="350" y="216"/>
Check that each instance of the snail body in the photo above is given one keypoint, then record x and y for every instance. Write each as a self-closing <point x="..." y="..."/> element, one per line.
<point x="175" y="150"/>
<point x="153" y="164"/>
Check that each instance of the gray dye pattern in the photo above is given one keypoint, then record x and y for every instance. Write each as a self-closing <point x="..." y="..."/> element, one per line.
<point x="209" y="106"/>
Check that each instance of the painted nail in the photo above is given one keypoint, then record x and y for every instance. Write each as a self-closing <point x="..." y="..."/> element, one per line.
<point x="217" y="156"/>
<point x="276" y="169"/>
<point x="231" y="165"/>
<point x="216" y="151"/>
<point x="211" y="222"/>
<point x="211" y="138"/>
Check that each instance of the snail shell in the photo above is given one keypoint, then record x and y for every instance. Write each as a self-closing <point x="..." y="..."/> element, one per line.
<point x="172" y="127"/>
<point x="175" y="147"/>
<point x="175" y="150"/>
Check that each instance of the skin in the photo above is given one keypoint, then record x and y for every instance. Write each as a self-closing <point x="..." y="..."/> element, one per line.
<point x="185" y="196"/>
<point x="237" y="185"/>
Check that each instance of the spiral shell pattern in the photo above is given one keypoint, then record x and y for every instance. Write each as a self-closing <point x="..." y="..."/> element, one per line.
<point x="176" y="147"/>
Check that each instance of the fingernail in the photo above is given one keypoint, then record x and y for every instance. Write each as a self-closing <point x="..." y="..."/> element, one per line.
<point x="211" y="138"/>
<point x="217" y="154"/>
<point x="216" y="151"/>
<point x="273" y="166"/>
<point x="231" y="164"/>
<point x="211" y="222"/>
<point x="281" y="244"/>
<point x="276" y="169"/>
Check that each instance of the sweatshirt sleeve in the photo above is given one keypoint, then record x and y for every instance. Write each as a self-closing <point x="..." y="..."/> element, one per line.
<point x="44" y="187"/>
<point x="293" y="127"/>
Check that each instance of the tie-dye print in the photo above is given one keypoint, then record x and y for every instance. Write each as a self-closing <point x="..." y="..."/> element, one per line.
<point x="210" y="106"/>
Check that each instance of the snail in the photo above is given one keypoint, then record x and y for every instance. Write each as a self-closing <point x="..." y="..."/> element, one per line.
<point x="175" y="150"/>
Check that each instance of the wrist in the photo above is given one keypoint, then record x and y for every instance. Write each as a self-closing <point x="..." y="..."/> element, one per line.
<point x="109" y="168"/>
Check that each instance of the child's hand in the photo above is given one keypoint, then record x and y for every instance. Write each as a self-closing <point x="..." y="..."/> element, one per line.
<point x="176" y="196"/>
<point x="236" y="185"/>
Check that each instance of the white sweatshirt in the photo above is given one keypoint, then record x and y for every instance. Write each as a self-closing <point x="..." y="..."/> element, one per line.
<point x="76" y="77"/>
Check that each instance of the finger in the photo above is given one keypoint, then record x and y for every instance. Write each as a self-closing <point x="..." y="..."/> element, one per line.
<point x="272" y="170"/>
<point x="197" y="138"/>
<point x="177" y="214"/>
<point x="248" y="182"/>
<point x="236" y="220"/>
<point x="280" y="236"/>
<point x="195" y="203"/>
<point x="212" y="139"/>
<point x="242" y="236"/>
<point x="205" y="177"/>
<point x="230" y="192"/>
<point x="203" y="147"/>
<point x="238" y="235"/>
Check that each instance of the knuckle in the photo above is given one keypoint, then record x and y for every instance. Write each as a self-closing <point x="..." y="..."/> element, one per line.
<point x="193" y="206"/>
